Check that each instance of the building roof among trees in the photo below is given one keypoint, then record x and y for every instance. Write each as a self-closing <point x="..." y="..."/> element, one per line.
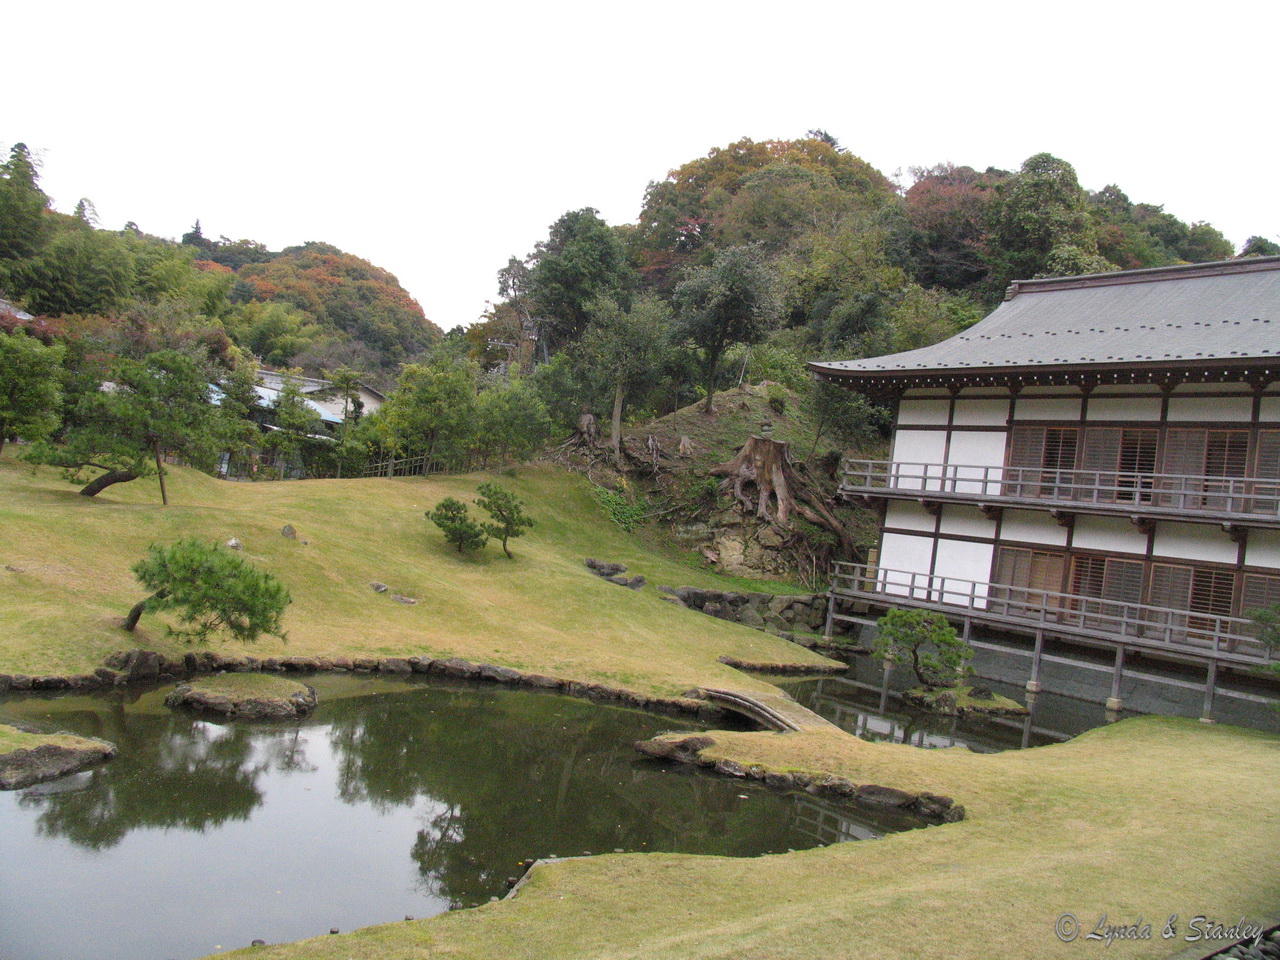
<point x="1196" y="317"/>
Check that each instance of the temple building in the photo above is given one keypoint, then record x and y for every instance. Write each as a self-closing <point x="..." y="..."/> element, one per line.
<point x="1096" y="463"/>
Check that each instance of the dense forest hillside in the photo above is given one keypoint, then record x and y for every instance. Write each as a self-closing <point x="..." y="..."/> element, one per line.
<point x="312" y="306"/>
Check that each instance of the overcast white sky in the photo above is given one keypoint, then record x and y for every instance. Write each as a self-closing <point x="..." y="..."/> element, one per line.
<point x="437" y="139"/>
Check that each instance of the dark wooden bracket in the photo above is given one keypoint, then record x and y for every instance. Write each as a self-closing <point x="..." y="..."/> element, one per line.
<point x="1144" y="524"/>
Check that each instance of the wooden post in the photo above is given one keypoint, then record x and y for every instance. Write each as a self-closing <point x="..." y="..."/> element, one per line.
<point x="1211" y="682"/>
<point x="1033" y="685"/>
<point x="1026" y="723"/>
<point x="831" y="615"/>
<point x="1114" y="703"/>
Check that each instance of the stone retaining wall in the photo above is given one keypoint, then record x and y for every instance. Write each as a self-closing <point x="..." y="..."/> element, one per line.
<point x="778" y="613"/>
<point x="690" y="749"/>
<point x="148" y="666"/>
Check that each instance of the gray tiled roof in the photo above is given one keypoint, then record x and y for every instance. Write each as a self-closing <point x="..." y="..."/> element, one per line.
<point x="1214" y="311"/>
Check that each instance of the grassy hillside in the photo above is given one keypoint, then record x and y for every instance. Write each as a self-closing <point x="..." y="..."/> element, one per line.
<point x="65" y="580"/>
<point x="737" y="414"/>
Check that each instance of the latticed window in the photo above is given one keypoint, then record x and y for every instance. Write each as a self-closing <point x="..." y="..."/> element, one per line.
<point x="1026" y="580"/>
<point x="1260" y="590"/>
<point x="1206" y="465"/>
<point x="1118" y="463"/>
<point x="1116" y="583"/>
<point x="1266" y="468"/>
<point x="1043" y="458"/>
<point x="1194" y="589"/>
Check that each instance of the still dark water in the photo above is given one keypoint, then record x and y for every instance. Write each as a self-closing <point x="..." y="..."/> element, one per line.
<point x="392" y="799"/>
<point x="861" y="703"/>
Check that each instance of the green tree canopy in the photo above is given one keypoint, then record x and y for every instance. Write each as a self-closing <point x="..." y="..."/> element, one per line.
<point x="582" y="260"/>
<point x="734" y="300"/>
<point x="148" y="407"/>
<point x="22" y="207"/>
<point x="924" y="639"/>
<point x="507" y="511"/>
<point x="451" y="516"/>
<point x="212" y="589"/>
<point x="1041" y="224"/>
<point x="30" y="387"/>
<point x="625" y="349"/>
<point x="430" y="411"/>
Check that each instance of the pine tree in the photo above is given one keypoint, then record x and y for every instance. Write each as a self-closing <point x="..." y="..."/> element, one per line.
<point x="450" y="515"/>
<point x="213" y="588"/>
<point x="507" y="511"/>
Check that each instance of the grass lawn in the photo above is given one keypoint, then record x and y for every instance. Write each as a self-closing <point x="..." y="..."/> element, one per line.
<point x="11" y="739"/>
<point x="1146" y="818"/>
<point x="65" y="580"/>
<point x="247" y="685"/>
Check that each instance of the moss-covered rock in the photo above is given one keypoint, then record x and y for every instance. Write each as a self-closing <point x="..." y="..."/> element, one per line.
<point x="27" y="758"/>
<point x="952" y="701"/>
<point x="246" y="696"/>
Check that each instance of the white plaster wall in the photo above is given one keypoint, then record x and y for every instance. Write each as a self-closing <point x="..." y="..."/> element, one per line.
<point x="908" y="516"/>
<point x="1105" y="533"/>
<point x="1124" y="408"/>
<point x="959" y="564"/>
<point x="981" y="413"/>
<point x="1125" y="390"/>
<point x="1194" y="541"/>
<point x="965" y="521"/>
<point x="1211" y="388"/>
<point x="923" y="411"/>
<point x="1047" y="408"/>
<point x="921" y="452"/>
<point x="970" y="451"/>
<point x="907" y="554"/>
<point x="1263" y="549"/>
<point x="1051" y="391"/>
<point x="1031" y="526"/>
<point x="1221" y="409"/>
<point x="1269" y="409"/>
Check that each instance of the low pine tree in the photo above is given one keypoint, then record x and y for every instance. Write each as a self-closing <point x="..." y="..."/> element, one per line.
<point x="450" y="515"/>
<point x="212" y="588"/>
<point x="507" y="511"/>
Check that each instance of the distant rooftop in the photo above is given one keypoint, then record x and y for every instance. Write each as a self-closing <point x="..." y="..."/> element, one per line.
<point x="1195" y="318"/>
<point x="14" y="310"/>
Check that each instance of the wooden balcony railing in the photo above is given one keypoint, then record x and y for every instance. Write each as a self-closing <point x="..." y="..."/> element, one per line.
<point x="1228" y="497"/>
<point x="1201" y="635"/>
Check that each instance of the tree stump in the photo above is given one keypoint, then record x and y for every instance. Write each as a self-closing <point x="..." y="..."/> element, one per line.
<point x="767" y="464"/>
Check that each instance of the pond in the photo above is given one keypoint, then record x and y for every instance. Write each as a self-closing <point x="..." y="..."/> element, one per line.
<point x="873" y="710"/>
<point x="394" y="799"/>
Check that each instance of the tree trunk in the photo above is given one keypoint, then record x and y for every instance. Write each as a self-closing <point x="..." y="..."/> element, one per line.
<point x="164" y="493"/>
<point x="95" y="487"/>
<point x="615" y="425"/>
<point x="140" y="608"/>
<point x="505" y="550"/>
<point x="711" y="387"/>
